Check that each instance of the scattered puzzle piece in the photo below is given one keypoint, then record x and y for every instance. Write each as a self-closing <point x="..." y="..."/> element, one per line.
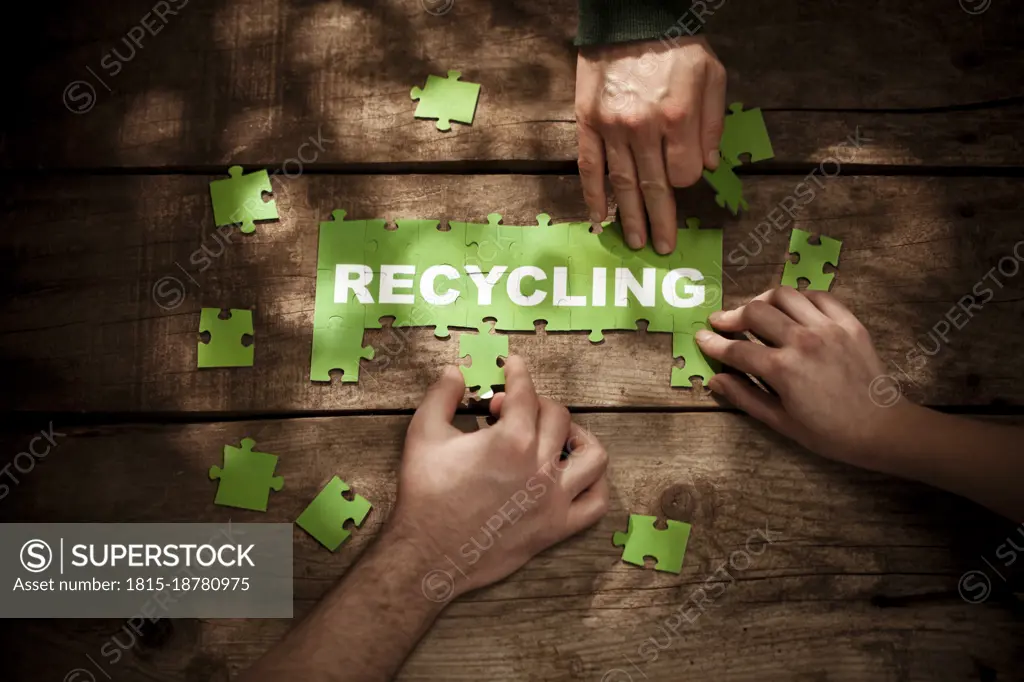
<point x="446" y="99"/>
<point x="239" y="199"/>
<point x="695" y="364"/>
<point x="484" y="349"/>
<point x="813" y="258"/>
<point x="745" y="133"/>
<point x="338" y="346"/>
<point x="247" y="477"/>
<point x="327" y="514"/>
<point x="728" y="186"/>
<point x="225" y="348"/>
<point x="642" y="539"/>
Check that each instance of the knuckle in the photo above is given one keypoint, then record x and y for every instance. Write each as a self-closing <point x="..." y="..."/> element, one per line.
<point x="588" y="165"/>
<point x="809" y="341"/>
<point x="675" y="113"/>
<point x="714" y="128"/>
<point x="621" y="181"/>
<point x="520" y="440"/>
<point x="654" y="188"/>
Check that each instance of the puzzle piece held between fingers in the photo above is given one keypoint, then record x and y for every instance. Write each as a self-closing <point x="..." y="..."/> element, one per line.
<point x="239" y="199"/>
<point x="695" y="364"/>
<point x="484" y="349"/>
<point x="446" y="99"/>
<point x="247" y="477"/>
<point x="728" y="186"/>
<point x="745" y="133"/>
<point x="813" y="258"/>
<point x="225" y="348"/>
<point x="327" y="514"/>
<point x="642" y="539"/>
<point x="338" y="346"/>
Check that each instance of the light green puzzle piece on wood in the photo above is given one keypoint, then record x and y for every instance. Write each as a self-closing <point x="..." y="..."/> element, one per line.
<point x="484" y="349"/>
<point x="812" y="261"/>
<point x="446" y="99"/>
<point x="684" y="346"/>
<point x="225" y="348"/>
<point x="745" y="133"/>
<point x="247" y="477"/>
<point x="327" y="514"/>
<point x="239" y="199"/>
<point x="642" y="539"/>
<point x="728" y="187"/>
<point x="338" y="346"/>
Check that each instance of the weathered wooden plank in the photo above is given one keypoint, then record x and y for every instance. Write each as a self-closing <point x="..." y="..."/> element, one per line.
<point x="252" y="81"/>
<point x="96" y="319"/>
<point x="845" y="545"/>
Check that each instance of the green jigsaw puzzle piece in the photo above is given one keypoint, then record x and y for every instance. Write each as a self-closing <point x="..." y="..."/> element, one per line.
<point x="247" y="477"/>
<point x="239" y="199"/>
<point x="446" y="99"/>
<point x="225" y="348"/>
<point x="813" y="258"/>
<point x="695" y="364"/>
<point x="327" y="514"/>
<point x="745" y="133"/>
<point x="484" y="349"/>
<point x="728" y="187"/>
<point x="338" y="346"/>
<point x="347" y="241"/>
<point x="642" y="539"/>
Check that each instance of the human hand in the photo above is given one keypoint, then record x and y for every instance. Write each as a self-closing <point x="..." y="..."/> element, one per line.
<point x="655" y="113"/>
<point x="822" y="364"/>
<point x="492" y="499"/>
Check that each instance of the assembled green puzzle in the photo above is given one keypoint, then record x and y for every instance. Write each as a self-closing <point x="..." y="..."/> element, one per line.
<point x="247" y="477"/>
<point x="667" y="546"/>
<point x="813" y="258"/>
<point x="484" y="350"/>
<point x="327" y="514"/>
<point x="446" y="99"/>
<point x="239" y="199"/>
<point x="225" y="348"/>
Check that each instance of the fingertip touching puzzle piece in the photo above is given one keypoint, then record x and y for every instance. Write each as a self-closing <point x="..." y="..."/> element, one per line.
<point x="246" y="478"/>
<point x="327" y="514"/>
<point x="446" y="99"/>
<point x="239" y="199"/>
<point x="813" y="258"/>
<point x="226" y="347"/>
<point x="695" y="364"/>
<point x="484" y="349"/>
<point x="642" y="539"/>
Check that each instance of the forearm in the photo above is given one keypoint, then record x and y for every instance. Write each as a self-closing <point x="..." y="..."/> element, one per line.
<point x="616" y="21"/>
<point x="365" y="627"/>
<point x="981" y="461"/>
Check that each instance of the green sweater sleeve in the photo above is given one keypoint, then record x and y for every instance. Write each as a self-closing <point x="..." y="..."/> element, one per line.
<point x="618" y="21"/>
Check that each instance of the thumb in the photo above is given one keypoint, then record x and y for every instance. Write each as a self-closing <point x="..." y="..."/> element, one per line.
<point x="437" y="409"/>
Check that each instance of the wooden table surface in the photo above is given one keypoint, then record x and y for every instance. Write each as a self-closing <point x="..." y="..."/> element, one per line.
<point x="906" y="119"/>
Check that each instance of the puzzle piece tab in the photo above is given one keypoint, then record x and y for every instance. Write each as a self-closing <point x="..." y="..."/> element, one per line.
<point x="446" y="99"/>
<point x="338" y="346"/>
<point x="225" y="348"/>
<point x="239" y="199"/>
<point x="745" y="133"/>
<point x="247" y="477"/>
<point x="347" y="241"/>
<point x="695" y="364"/>
<point x="642" y="539"/>
<point x="484" y="349"/>
<point x="327" y="514"/>
<point x="728" y="186"/>
<point x="813" y="258"/>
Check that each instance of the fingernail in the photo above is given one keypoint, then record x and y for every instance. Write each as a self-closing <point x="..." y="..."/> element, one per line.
<point x="715" y="316"/>
<point x="634" y="240"/>
<point x="662" y="246"/>
<point x="713" y="158"/>
<point x="703" y="335"/>
<point x="595" y="217"/>
<point x="713" y="385"/>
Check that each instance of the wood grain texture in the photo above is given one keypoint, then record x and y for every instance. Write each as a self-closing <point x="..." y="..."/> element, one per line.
<point x="96" y="321"/>
<point x="251" y="81"/>
<point x="859" y="579"/>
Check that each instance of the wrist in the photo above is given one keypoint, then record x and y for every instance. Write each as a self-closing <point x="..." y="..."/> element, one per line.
<point x="423" y="562"/>
<point x="892" y="446"/>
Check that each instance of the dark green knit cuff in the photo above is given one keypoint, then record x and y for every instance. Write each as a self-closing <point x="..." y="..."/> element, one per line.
<point x="619" y="21"/>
